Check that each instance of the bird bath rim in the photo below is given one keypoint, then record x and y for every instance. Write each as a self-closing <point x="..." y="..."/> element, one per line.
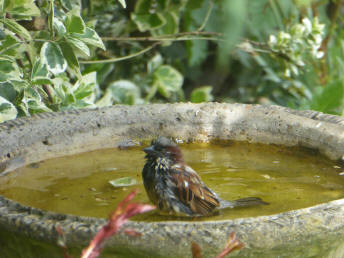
<point x="48" y="135"/>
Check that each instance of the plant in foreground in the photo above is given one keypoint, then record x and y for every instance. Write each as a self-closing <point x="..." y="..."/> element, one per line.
<point x="233" y="244"/>
<point x="119" y="217"/>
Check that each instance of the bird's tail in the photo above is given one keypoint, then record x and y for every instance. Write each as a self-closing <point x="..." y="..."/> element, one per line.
<point x="244" y="202"/>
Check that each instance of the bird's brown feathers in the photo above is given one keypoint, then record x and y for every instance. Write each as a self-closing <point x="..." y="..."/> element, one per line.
<point x="193" y="192"/>
<point x="176" y="188"/>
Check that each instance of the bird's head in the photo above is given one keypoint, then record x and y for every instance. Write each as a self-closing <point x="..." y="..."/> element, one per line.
<point x="163" y="147"/>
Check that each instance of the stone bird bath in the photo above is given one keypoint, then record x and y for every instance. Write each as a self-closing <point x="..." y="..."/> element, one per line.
<point x="317" y="230"/>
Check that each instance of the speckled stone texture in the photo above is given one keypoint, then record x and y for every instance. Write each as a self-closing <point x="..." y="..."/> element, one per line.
<point x="48" y="135"/>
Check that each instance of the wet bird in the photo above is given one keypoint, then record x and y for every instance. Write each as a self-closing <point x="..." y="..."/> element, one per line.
<point x="175" y="188"/>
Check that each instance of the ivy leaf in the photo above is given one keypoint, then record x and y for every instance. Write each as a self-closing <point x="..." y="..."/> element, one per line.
<point x="8" y="91"/>
<point x="121" y="92"/>
<point x="39" y="69"/>
<point x="78" y="104"/>
<point x="9" y="70"/>
<point x="202" y="94"/>
<point x="75" y="24"/>
<point x="16" y="28"/>
<point x="7" y="110"/>
<point x="66" y="4"/>
<point x="78" y="44"/>
<point x="34" y="101"/>
<point x="90" y="37"/>
<point x="171" y="25"/>
<point x="52" y="56"/>
<point x="85" y="87"/>
<point x="59" y="27"/>
<point x="9" y="45"/>
<point x="154" y="63"/>
<point x="19" y="84"/>
<point x="125" y="92"/>
<point x="168" y="80"/>
<point x="72" y="61"/>
<point x="40" y="73"/>
<point x="146" y="22"/>
<point x="40" y="80"/>
<point x="148" y="6"/>
<point x="23" y="8"/>
<point x="123" y="3"/>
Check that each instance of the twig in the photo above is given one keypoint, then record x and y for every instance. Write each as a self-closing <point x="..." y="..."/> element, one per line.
<point x="20" y="63"/>
<point x="193" y="38"/>
<point x="27" y="55"/>
<point x="168" y="37"/>
<point x="47" y="90"/>
<point x="117" y="59"/>
<point x="257" y="43"/>
<point x="118" y="218"/>
<point x="206" y="18"/>
<point x="177" y="37"/>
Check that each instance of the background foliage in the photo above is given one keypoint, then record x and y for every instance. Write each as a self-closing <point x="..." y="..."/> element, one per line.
<point x="62" y="54"/>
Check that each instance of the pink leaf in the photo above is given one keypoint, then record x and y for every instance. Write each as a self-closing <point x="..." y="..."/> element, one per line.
<point x="117" y="219"/>
<point x="232" y="244"/>
<point x="196" y="250"/>
<point x="61" y="241"/>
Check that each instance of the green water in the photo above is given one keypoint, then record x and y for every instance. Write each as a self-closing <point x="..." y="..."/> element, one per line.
<point x="287" y="178"/>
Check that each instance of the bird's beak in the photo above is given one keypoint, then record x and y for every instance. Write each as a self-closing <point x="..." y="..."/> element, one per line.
<point x="149" y="149"/>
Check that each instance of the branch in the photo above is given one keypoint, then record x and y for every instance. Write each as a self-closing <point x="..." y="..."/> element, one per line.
<point x="183" y="36"/>
<point x="206" y="18"/>
<point x="204" y="35"/>
<point x="117" y="59"/>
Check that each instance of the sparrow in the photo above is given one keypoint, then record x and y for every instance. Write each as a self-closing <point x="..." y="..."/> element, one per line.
<point x="175" y="188"/>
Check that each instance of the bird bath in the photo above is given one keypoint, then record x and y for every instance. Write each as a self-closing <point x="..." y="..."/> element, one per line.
<point x="313" y="231"/>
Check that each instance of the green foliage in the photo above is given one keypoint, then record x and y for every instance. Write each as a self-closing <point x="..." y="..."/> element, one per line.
<point x="329" y="98"/>
<point x="302" y="41"/>
<point x="16" y="28"/>
<point x="202" y="94"/>
<point x="33" y="65"/>
<point x="52" y="57"/>
<point x="167" y="80"/>
<point x="121" y="91"/>
<point x="270" y="51"/>
<point x="7" y="110"/>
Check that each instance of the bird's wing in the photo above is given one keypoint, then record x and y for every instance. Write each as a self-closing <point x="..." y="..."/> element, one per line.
<point x="191" y="190"/>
